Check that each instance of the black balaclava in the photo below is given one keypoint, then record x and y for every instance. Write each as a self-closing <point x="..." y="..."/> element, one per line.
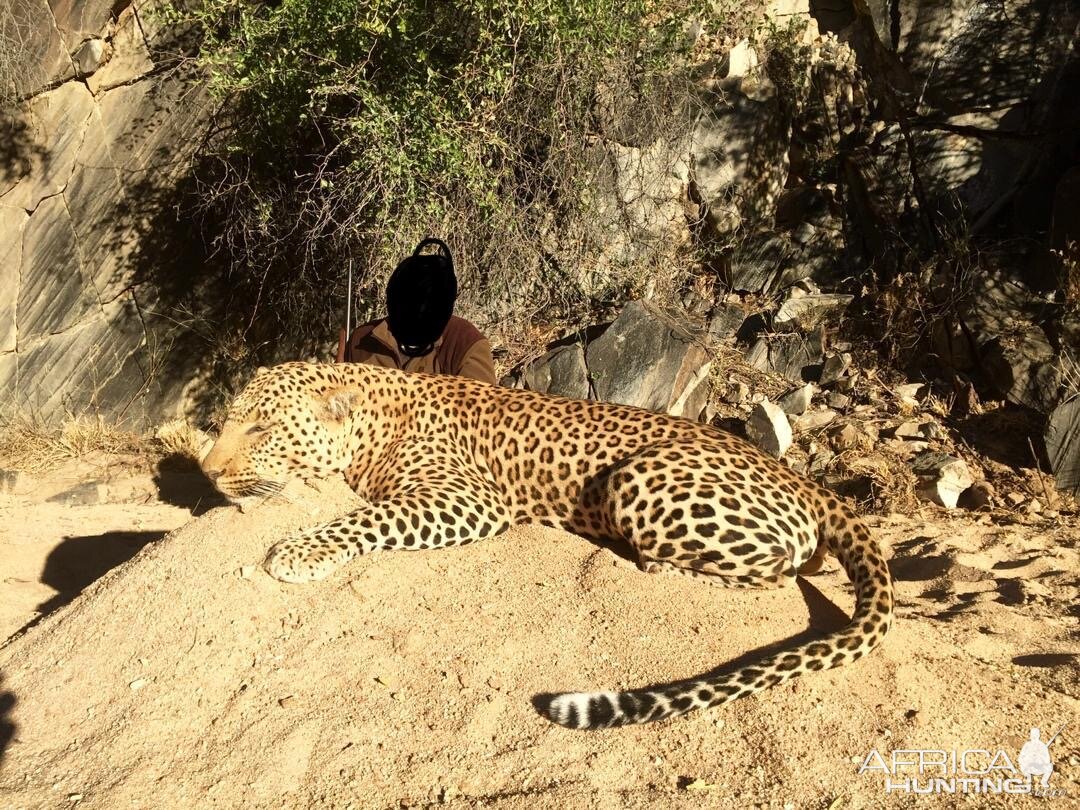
<point x="420" y="299"/>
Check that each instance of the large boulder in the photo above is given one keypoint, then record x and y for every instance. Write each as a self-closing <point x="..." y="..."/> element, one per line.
<point x="646" y="359"/>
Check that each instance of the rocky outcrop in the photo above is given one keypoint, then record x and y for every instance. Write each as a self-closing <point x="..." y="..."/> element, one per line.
<point x="645" y="358"/>
<point x="96" y="143"/>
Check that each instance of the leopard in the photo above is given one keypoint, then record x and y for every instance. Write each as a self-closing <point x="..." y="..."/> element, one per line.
<point x="442" y="461"/>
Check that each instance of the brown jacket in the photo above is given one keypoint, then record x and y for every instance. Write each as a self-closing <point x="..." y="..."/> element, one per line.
<point x="461" y="351"/>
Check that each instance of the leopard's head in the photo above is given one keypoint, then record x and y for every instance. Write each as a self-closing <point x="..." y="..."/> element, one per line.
<point x="290" y="422"/>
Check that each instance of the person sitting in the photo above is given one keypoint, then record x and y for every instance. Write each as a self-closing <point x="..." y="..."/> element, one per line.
<point x="420" y="331"/>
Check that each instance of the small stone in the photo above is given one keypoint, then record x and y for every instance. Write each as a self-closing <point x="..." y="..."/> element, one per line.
<point x="137" y="684"/>
<point x="838" y="401"/>
<point x="387" y="681"/>
<point x="918" y="431"/>
<point x="944" y="477"/>
<point x="814" y="420"/>
<point x="845" y="437"/>
<point x="737" y="394"/>
<point x="286" y="701"/>
<point x="495" y="682"/>
<point x="75" y="797"/>
<point x="247" y="571"/>
<point x="1014" y="499"/>
<point x="909" y="394"/>
<point x="1034" y="507"/>
<point x="809" y="311"/>
<point x="89" y="57"/>
<point x="769" y="428"/>
<point x="796" y="402"/>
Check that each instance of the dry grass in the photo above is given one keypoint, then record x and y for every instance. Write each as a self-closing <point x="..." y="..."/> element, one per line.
<point x="885" y="481"/>
<point x="179" y="437"/>
<point x="28" y="445"/>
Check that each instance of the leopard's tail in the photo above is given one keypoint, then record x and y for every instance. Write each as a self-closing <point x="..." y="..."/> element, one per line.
<point x="849" y="539"/>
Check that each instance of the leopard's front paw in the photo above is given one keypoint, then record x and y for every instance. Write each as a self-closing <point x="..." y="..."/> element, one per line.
<point x="305" y="558"/>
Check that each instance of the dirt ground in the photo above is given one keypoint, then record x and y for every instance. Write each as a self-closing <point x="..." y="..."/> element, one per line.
<point x="151" y="663"/>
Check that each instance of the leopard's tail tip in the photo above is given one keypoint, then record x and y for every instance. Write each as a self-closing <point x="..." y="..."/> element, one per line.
<point x="580" y="710"/>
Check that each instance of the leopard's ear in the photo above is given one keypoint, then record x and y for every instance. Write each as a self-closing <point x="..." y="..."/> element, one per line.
<point x="339" y="403"/>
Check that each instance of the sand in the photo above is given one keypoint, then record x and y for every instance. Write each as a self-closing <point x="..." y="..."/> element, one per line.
<point x="187" y="677"/>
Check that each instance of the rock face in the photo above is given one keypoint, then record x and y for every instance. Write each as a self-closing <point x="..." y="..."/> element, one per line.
<point x="644" y="358"/>
<point x="90" y="165"/>
<point x="1063" y="445"/>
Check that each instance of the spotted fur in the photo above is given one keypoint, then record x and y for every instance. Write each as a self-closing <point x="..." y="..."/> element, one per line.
<point x="443" y="461"/>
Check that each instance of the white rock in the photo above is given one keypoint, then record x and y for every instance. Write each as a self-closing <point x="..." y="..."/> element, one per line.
<point x="944" y="477"/>
<point x="769" y="428"/>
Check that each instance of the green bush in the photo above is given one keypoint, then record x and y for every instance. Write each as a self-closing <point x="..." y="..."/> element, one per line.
<point x="349" y="129"/>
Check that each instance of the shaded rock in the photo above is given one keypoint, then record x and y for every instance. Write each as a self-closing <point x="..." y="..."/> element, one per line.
<point x="769" y="429"/>
<point x="1062" y="439"/>
<point x="802" y="204"/>
<point x="561" y="372"/>
<point x="757" y="266"/>
<point x="739" y="151"/>
<point x="725" y="321"/>
<point x="51" y="130"/>
<point x="643" y="359"/>
<point x="834" y="367"/>
<point x="738" y="393"/>
<point x="809" y="311"/>
<point x="838" y="401"/>
<point x="1023" y="368"/>
<point x="796" y="357"/>
<point x="12" y="222"/>
<point x="966" y="401"/>
<point x="86" y="494"/>
<point x="1065" y="219"/>
<point x="797" y="401"/>
<point x="943" y="477"/>
<point x="979" y="495"/>
<point x="53" y="294"/>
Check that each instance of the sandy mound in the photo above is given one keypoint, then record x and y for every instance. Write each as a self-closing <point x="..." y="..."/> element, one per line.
<point x="186" y="677"/>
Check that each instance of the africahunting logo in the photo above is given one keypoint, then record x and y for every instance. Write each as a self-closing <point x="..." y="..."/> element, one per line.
<point x="976" y="770"/>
